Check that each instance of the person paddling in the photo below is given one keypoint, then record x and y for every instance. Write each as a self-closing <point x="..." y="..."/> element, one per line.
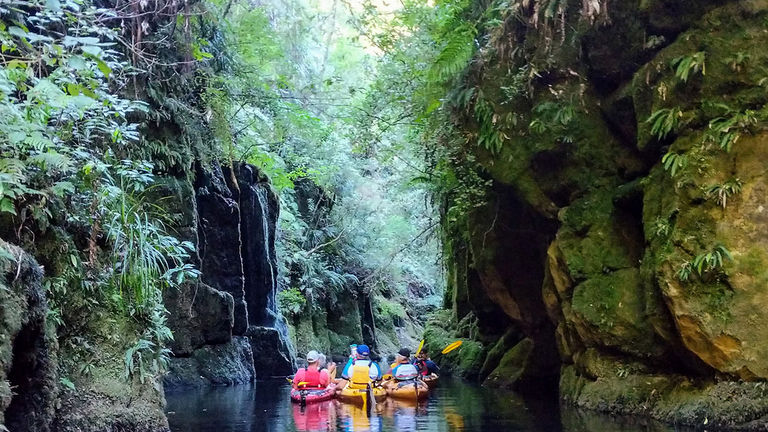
<point x="425" y="365"/>
<point x="311" y="377"/>
<point x="362" y="358"/>
<point x="403" y="369"/>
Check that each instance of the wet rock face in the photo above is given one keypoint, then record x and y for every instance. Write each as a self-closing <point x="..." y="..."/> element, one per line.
<point x="224" y="364"/>
<point x="271" y="353"/>
<point x="28" y="378"/>
<point x="220" y="245"/>
<point x="236" y="215"/>
<point x="200" y="315"/>
<point x="260" y="208"/>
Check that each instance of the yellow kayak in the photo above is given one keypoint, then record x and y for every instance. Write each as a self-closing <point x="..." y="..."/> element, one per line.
<point x="358" y="396"/>
<point x="410" y="390"/>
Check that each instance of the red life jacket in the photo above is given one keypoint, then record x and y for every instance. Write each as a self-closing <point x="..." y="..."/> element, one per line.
<point x="422" y="366"/>
<point x="312" y="378"/>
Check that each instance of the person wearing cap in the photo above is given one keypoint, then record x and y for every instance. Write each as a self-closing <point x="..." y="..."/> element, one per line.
<point x="311" y="377"/>
<point x="425" y="365"/>
<point x="362" y="358"/>
<point x="403" y="369"/>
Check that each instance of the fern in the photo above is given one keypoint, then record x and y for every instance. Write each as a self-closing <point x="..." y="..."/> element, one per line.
<point x="665" y="121"/>
<point x="456" y="53"/>
<point x="51" y="160"/>
<point x="685" y="66"/>
<point x="674" y="163"/>
<point x="727" y="130"/>
<point x="705" y="263"/>
<point x="721" y="192"/>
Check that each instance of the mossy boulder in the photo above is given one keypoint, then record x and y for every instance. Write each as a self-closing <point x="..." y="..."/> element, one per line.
<point x="514" y="365"/>
<point x="465" y="361"/>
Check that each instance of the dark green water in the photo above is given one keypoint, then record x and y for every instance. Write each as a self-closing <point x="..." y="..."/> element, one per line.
<point x="453" y="406"/>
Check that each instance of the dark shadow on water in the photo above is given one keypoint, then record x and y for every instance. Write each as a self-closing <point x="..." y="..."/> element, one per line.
<point x="453" y="406"/>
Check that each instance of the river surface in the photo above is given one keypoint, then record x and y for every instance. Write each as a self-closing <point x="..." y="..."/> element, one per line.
<point x="453" y="406"/>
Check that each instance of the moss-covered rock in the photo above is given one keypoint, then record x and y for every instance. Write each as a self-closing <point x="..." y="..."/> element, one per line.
<point x="514" y="365"/>
<point x="28" y="357"/>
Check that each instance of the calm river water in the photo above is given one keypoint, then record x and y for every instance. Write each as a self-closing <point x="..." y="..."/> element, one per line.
<point x="453" y="406"/>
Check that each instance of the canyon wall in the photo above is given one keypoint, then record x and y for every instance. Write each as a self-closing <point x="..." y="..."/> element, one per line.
<point x="621" y="244"/>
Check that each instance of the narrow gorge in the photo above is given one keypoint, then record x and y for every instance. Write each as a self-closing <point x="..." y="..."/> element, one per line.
<point x="196" y="194"/>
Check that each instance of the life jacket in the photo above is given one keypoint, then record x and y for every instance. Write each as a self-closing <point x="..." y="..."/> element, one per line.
<point x="405" y="372"/>
<point x="360" y="378"/>
<point x="312" y="378"/>
<point x="422" y="366"/>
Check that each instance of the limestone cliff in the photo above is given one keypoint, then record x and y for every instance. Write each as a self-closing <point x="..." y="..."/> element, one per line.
<point x="621" y="242"/>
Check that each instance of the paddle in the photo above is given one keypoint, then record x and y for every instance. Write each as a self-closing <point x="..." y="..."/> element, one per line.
<point x="421" y="345"/>
<point x="451" y="347"/>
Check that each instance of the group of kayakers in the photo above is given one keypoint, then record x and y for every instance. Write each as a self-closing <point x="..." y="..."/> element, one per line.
<point x="362" y="380"/>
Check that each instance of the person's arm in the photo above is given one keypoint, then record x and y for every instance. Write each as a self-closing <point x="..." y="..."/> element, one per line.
<point x="299" y="377"/>
<point x="378" y="371"/>
<point x="324" y="378"/>
<point x="345" y="371"/>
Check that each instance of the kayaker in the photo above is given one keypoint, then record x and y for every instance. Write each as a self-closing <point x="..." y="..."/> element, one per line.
<point x="311" y="375"/>
<point x="362" y="358"/>
<point x="328" y="367"/>
<point x="425" y="365"/>
<point x="403" y="370"/>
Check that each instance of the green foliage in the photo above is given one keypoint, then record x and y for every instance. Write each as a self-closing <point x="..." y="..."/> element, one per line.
<point x="674" y="163"/>
<point x="725" y="131"/>
<point x="291" y="301"/>
<point x="721" y="192"/>
<point x="661" y="227"/>
<point x="688" y="65"/>
<point x="390" y="310"/>
<point x="665" y="121"/>
<point x="705" y="263"/>
<point x="488" y="136"/>
<point x="739" y="61"/>
<point x="456" y="53"/>
<point x="66" y="382"/>
<point x="553" y="116"/>
<point x="148" y="357"/>
<point x="145" y="258"/>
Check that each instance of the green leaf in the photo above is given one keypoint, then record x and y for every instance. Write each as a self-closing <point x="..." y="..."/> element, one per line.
<point x="17" y="31"/>
<point x="6" y="206"/>
<point x="73" y="89"/>
<point x="62" y="188"/>
<point x="93" y="50"/>
<point x="104" y="68"/>
<point x="67" y="383"/>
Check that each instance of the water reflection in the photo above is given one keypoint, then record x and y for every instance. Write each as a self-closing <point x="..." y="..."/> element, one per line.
<point x="453" y="406"/>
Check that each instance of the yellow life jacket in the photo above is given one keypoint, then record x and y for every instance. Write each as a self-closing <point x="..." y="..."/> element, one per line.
<point x="359" y="377"/>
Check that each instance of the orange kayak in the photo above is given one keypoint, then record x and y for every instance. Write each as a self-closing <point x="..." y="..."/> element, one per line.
<point x="410" y="390"/>
<point x="431" y="380"/>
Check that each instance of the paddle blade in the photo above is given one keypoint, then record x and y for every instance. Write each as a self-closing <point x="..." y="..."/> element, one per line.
<point x="452" y="347"/>
<point x="421" y="345"/>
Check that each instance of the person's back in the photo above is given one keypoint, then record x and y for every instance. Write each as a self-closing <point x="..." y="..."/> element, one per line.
<point x="403" y="369"/>
<point x="362" y="363"/>
<point x="311" y="377"/>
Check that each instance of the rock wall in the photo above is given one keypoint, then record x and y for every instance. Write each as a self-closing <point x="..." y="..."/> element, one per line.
<point x="221" y="323"/>
<point x="587" y="244"/>
<point x="28" y="375"/>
